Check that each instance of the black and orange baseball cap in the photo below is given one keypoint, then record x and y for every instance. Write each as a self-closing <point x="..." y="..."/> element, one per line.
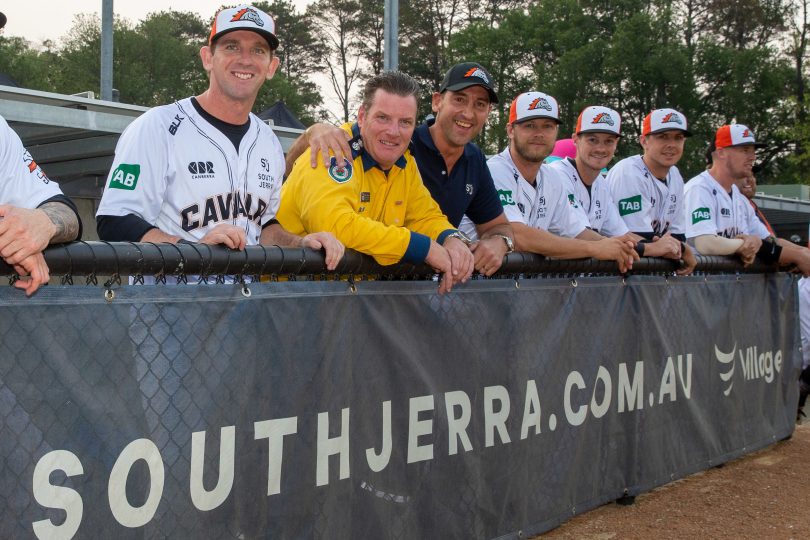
<point x="468" y="74"/>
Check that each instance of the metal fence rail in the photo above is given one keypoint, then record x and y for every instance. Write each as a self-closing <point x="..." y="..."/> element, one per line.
<point x="131" y="258"/>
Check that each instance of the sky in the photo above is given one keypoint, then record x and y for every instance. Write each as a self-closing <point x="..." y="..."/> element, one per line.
<point x="38" y="20"/>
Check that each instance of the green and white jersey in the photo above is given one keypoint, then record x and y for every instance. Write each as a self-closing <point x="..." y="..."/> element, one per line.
<point x="22" y="182"/>
<point x="596" y="203"/>
<point x="710" y="209"/>
<point x="547" y="205"/>
<point x="645" y="203"/>
<point x="176" y="171"/>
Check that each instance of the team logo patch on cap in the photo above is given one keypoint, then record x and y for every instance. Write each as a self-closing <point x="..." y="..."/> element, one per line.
<point x="539" y="103"/>
<point x="340" y="173"/>
<point x="603" y="118"/>
<point x="477" y="72"/>
<point x="672" y="117"/>
<point x="248" y="14"/>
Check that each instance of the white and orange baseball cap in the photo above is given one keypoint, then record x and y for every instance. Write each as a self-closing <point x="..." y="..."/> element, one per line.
<point x="661" y="120"/>
<point x="735" y="135"/>
<point x="244" y="17"/>
<point x="598" y="119"/>
<point x="531" y="105"/>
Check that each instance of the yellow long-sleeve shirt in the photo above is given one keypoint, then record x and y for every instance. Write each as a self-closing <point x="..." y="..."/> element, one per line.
<point x="391" y="217"/>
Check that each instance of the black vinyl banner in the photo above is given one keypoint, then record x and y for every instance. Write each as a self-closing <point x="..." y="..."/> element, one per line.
<point x="381" y="410"/>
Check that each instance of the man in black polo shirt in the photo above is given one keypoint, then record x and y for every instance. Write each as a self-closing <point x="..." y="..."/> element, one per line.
<point x="452" y="167"/>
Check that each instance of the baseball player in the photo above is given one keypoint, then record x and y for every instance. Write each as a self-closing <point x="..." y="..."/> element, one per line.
<point x="33" y="212"/>
<point x="452" y="167"/>
<point x="204" y="169"/>
<point x="648" y="189"/>
<point x="543" y="212"/>
<point x="595" y="138"/>
<point x="377" y="203"/>
<point x="720" y="220"/>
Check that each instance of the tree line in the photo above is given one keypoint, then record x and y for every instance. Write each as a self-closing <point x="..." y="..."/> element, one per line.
<point x="717" y="61"/>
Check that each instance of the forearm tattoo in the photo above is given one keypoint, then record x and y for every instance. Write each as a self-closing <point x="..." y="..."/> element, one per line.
<point x="65" y="220"/>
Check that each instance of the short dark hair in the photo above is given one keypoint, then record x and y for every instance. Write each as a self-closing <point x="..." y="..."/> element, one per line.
<point x="393" y="82"/>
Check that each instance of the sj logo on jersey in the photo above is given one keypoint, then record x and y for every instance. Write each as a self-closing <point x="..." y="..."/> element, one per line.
<point x="630" y="205"/>
<point x="125" y="176"/>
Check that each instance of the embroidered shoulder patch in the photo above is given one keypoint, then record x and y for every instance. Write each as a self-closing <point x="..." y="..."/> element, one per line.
<point x="340" y="173"/>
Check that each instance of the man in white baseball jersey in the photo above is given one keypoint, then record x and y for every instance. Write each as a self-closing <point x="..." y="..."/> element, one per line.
<point x="595" y="138"/>
<point x="33" y="212"/>
<point x="720" y="220"/>
<point x="543" y="213"/>
<point x="204" y="169"/>
<point x="648" y="189"/>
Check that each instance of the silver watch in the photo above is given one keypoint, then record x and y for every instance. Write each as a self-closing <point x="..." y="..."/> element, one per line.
<point x="510" y="244"/>
<point x="461" y="236"/>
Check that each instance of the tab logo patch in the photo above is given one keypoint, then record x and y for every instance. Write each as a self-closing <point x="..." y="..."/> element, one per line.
<point x="506" y="198"/>
<point x="125" y="176"/>
<point x="630" y="205"/>
<point x="701" y="214"/>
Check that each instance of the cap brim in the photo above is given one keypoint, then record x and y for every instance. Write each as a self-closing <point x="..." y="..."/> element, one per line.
<point x="537" y="116"/>
<point x="599" y="131"/>
<point x="685" y="132"/>
<point x="272" y="40"/>
<point x="493" y="97"/>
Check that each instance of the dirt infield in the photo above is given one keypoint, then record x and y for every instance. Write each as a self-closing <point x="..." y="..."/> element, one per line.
<point x="762" y="495"/>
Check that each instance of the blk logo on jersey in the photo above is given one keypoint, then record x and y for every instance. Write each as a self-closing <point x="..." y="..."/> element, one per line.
<point x="248" y="14"/>
<point x="630" y="205"/>
<point x="725" y="212"/>
<point x="176" y="123"/>
<point x="201" y="169"/>
<point x="222" y="207"/>
<point x="125" y="176"/>
<point x="701" y="214"/>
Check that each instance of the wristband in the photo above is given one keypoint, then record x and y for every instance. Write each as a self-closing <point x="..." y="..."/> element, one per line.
<point x="769" y="251"/>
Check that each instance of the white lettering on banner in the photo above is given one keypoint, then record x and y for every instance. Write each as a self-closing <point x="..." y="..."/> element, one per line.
<point x="418" y="428"/>
<point x="760" y="366"/>
<point x="457" y="425"/>
<point x="378" y="462"/>
<point x="495" y="419"/>
<point x="274" y="431"/>
<point x="631" y="396"/>
<point x="126" y="514"/>
<point x="531" y="410"/>
<point x="62" y="498"/>
<point x="329" y="447"/>
<point x="580" y="397"/>
<point x="202" y="498"/>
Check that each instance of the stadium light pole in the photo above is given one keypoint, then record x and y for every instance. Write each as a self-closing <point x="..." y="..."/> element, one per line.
<point x="106" y="49"/>
<point x="391" y="44"/>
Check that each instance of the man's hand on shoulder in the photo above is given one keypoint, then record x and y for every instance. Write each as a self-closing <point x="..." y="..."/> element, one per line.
<point x="226" y="234"/>
<point x="324" y="138"/>
<point x="461" y="258"/>
<point x="23" y="232"/>
<point x="332" y="246"/>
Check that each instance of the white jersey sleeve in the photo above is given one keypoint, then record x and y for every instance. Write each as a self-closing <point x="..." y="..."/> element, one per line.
<point x="630" y="192"/>
<point x="139" y="175"/>
<point x="674" y="211"/>
<point x="508" y="186"/>
<point x="602" y="201"/>
<point x="701" y="210"/>
<point x="22" y="181"/>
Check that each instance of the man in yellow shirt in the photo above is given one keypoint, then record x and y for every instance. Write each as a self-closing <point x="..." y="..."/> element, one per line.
<point x="377" y="204"/>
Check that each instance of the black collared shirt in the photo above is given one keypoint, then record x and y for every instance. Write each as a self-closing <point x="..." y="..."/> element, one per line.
<point x="469" y="189"/>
